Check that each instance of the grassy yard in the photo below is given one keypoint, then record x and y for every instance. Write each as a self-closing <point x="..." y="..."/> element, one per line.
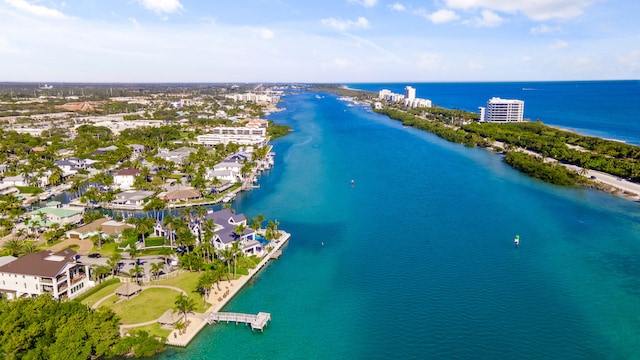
<point x="150" y="304"/>
<point x="188" y="282"/>
<point x="110" y="289"/>
<point x="153" y="330"/>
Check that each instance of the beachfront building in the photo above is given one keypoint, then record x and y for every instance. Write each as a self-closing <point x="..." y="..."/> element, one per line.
<point x="408" y="99"/>
<point x="409" y="92"/>
<point x="44" y="272"/>
<point x="502" y="111"/>
<point x="251" y="97"/>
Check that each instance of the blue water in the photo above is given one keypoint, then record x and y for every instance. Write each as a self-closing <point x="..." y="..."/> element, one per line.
<point x="608" y="109"/>
<point x="418" y="258"/>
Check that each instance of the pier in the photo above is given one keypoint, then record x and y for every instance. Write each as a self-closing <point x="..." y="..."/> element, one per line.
<point x="255" y="321"/>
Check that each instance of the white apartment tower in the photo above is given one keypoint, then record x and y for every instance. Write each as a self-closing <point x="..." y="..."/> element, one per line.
<point x="503" y="110"/>
<point x="409" y="92"/>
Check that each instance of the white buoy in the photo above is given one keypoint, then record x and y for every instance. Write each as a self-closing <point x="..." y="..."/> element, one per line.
<point x="517" y="240"/>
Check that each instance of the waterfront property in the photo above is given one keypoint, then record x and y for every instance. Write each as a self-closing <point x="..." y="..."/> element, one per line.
<point x="43" y="272"/>
<point x="502" y="110"/>
<point x="54" y="212"/>
<point x="125" y="178"/>
<point x="256" y="136"/>
<point x="131" y="199"/>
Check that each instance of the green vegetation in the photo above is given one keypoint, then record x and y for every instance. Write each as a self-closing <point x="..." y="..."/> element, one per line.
<point x="137" y="309"/>
<point x="534" y="166"/>
<point x="43" y="328"/>
<point x="91" y="296"/>
<point x="29" y="190"/>
<point x="608" y="156"/>
<point x="277" y="130"/>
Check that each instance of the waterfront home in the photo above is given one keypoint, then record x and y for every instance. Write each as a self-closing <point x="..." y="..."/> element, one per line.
<point x="180" y="195"/>
<point x="229" y="166"/>
<point x="125" y="178"/>
<point x="176" y="156"/>
<point x="103" y="227"/>
<point x="6" y="189"/>
<point x="226" y="223"/>
<point x="131" y="198"/>
<point x="53" y="213"/>
<point x="44" y="272"/>
<point x="17" y="180"/>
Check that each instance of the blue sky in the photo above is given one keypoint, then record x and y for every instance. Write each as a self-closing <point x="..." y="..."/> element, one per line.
<point x="318" y="40"/>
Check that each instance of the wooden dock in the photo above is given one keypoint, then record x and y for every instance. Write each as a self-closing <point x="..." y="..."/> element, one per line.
<point x="256" y="321"/>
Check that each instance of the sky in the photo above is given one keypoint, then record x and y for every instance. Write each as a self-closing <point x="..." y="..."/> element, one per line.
<point x="329" y="41"/>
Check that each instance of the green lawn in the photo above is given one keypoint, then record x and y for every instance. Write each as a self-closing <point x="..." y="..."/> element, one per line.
<point x="150" y="304"/>
<point x="110" y="289"/>
<point x="188" y="282"/>
<point x="153" y="330"/>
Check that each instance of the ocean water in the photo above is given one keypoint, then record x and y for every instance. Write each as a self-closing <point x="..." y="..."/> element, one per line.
<point x="416" y="260"/>
<point x="608" y="109"/>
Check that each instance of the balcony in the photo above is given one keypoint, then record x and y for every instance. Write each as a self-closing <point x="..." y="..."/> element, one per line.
<point x="77" y="278"/>
<point x="46" y="281"/>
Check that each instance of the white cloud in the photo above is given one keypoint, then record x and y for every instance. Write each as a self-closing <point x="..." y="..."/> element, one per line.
<point x="397" y="7"/>
<point x="162" y="6"/>
<point x="630" y="59"/>
<point x="365" y="3"/>
<point x="340" y="63"/>
<point x="37" y="10"/>
<point x="559" y="44"/>
<point x="544" y="29"/>
<point x="135" y="22"/>
<point x="488" y="19"/>
<point x="344" y="25"/>
<point x="526" y="59"/>
<point x="267" y="33"/>
<point x="439" y="17"/>
<point x="535" y="10"/>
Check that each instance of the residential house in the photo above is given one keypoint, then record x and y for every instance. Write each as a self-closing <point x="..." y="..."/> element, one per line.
<point x="17" y="180"/>
<point x="54" y="213"/>
<point x="177" y="156"/>
<point x="125" y="178"/>
<point x="181" y="195"/>
<point x="103" y="226"/>
<point x="132" y="198"/>
<point x="226" y="222"/>
<point x="58" y="274"/>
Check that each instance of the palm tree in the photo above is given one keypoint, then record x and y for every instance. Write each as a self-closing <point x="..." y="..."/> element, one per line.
<point x="227" y="253"/>
<point x="100" y="272"/>
<point x="156" y="268"/>
<point x="169" y="222"/>
<point x="180" y="326"/>
<point x="14" y="246"/>
<point x="114" y="262"/>
<point x="136" y="272"/>
<point x="204" y="285"/>
<point x="184" y="304"/>
<point x="236" y="251"/>
<point x="142" y="224"/>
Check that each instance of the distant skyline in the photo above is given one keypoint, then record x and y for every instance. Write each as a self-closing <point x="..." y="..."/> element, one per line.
<point x="342" y="41"/>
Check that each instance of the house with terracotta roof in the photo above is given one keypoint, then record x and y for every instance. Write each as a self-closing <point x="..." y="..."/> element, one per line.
<point x="44" y="272"/>
<point x="124" y="178"/>
<point x="181" y="195"/>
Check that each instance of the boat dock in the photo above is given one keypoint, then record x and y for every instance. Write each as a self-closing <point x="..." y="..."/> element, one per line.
<point x="255" y="321"/>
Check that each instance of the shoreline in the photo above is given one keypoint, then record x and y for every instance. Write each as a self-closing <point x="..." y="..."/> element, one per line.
<point x="197" y="322"/>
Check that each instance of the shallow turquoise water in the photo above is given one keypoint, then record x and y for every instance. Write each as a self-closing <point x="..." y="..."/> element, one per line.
<point x="418" y="258"/>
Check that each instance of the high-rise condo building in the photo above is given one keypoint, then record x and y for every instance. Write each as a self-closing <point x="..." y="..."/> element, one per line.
<point x="503" y="110"/>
